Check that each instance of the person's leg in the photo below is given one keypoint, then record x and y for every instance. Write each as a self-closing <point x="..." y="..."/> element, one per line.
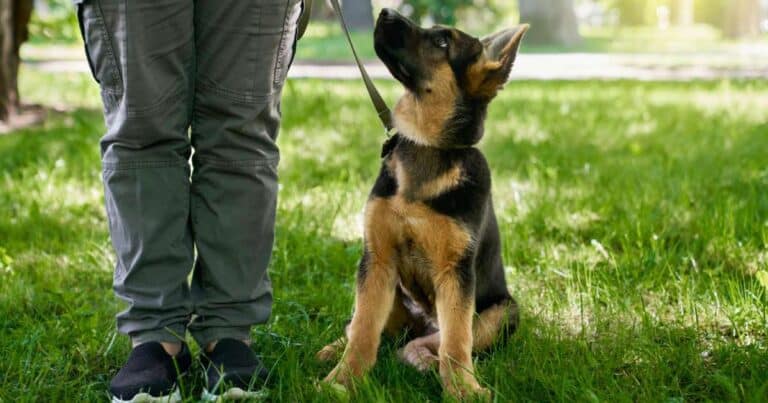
<point x="244" y="49"/>
<point x="142" y="54"/>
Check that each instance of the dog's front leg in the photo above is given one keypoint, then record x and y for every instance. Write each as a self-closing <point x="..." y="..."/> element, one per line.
<point x="455" y="308"/>
<point x="376" y="283"/>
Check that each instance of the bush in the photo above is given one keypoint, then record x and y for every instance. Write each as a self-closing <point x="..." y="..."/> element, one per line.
<point x="440" y="11"/>
<point x="711" y="12"/>
<point x="54" y="21"/>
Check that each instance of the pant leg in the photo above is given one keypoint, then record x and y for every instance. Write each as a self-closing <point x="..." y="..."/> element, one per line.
<point x="244" y="49"/>
<point x="142" y="54"/>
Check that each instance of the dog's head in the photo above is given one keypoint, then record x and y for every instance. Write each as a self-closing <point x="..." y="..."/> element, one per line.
<point x="447" y="74"/>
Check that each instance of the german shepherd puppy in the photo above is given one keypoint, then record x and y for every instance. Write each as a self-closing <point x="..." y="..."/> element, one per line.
<point x="432" y="264"/>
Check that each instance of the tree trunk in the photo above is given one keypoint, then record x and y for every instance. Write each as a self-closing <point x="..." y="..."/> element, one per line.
<point x="358" y="14"/>
<point x="682" y="12"/>
<point x="14" y="17"/>
<point x="552" y="21"/>
<point x="743" y="19"/>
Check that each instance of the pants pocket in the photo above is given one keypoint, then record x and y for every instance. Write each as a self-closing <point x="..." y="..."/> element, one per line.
<point x="99" y="49"/>
<point x="287" y="48"/>
<point x="244" y="48"/>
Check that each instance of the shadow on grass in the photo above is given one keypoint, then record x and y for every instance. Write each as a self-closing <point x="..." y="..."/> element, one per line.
<point x="695" y="179"/>
<point x="51" y="182"/>
<point x="648" y="361"/>
<point x="684" y="175"/>
<point x="72" y="136"/>
<point x="644" y="358"/>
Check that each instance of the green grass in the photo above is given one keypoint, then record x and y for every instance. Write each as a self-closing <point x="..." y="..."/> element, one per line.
<point x="634" y="219"/>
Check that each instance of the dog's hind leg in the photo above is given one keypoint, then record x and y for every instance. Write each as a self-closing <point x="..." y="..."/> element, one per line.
<point x="421" y="352"/>
<point x="400" y="318"/>
<point x="494" y="324"/>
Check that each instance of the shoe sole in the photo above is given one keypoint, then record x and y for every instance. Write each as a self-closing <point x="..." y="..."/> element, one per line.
<point x="173" y="397"/>
<point x="233" y="394"/>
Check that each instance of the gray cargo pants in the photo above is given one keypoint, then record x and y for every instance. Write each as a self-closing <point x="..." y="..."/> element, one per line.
<point x="178" y="75"/>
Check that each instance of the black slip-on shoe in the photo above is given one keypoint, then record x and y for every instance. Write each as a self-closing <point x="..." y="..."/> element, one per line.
<point x="233" y="371"/>
<point x="150" y="375"/>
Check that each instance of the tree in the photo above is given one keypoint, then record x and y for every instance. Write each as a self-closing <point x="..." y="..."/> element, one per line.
<point x="742" y="19"/>
<point x="14" y="17"/>
<point x="358" y="14"/>
<point x="632" y="12"/>
<point x="552" y="21"/>
<point x="440" y="11"/>
<point x="682" y="12"/>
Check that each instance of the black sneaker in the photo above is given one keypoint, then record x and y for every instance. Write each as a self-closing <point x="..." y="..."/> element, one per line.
<point x="150" y="375"/>
<point x="232" y="371"/>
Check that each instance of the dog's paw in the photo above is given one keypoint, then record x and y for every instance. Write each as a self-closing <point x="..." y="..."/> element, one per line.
<point x="418" y="356"/>
<point x="332" y="351"/>
<point x="481" y="394"/>
<point x="340" y="375"/>
<point x="471" y="395"/>
<point x="472" y="392"/>
<point x="328" y="353"/>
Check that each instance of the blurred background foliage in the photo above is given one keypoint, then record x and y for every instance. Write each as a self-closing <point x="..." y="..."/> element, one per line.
<point x="54" y="20"/>
<point x="670" y="28"/>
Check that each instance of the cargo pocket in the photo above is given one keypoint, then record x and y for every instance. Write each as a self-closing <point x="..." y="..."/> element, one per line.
<point x="244" y="49"/>
<point x="99" y="49"/>
<point x="287" y="48"/>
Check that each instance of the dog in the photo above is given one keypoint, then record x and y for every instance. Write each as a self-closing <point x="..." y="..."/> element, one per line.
<point x="431" y="265"/>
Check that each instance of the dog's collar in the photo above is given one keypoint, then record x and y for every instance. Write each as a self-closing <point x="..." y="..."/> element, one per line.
<point x="389" y="145"/>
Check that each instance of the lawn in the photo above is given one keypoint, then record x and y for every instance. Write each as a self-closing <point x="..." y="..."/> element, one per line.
<point x="634" y="219"/>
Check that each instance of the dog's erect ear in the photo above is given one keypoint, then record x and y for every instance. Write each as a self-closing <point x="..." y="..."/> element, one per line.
<point x="501" y="50"/>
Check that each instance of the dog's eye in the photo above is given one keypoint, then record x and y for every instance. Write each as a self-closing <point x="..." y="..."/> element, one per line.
<point x="441" y="42"/>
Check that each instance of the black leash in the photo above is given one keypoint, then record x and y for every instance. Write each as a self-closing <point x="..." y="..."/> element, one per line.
<point x="378" y="102"/>
<point x="382" y="110"/>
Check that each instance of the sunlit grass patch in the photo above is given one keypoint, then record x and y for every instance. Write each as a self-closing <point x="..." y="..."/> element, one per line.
<point x="634" y="219"/>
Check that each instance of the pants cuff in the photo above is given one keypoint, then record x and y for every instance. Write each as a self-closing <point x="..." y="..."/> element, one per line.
<point x="171" y="334"/>
<point x="204" y="336"/>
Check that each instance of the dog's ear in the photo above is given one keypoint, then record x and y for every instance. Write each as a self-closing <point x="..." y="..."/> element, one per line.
<point x="501" y="50"/>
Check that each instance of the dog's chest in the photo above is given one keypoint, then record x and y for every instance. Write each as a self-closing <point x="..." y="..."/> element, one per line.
<point x="420" y="241"/>
<point x="423" y="175"/>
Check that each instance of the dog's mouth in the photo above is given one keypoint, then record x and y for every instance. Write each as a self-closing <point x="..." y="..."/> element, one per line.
<point x="399" y="68"/>
<point x="403" y="72"/>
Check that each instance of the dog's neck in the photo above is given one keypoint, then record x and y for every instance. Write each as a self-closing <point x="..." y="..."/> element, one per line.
<point x="420" y="170"/>
<point x="443" y="124"/>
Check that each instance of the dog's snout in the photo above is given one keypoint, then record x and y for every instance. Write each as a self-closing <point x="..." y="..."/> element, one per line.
<point x="390" y="16"/>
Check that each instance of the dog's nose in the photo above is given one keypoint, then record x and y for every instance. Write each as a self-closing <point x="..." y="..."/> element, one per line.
<point x="387" y="13"/>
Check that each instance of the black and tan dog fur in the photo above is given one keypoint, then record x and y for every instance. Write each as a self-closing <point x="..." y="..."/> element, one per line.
<point x="432" y="254"/>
